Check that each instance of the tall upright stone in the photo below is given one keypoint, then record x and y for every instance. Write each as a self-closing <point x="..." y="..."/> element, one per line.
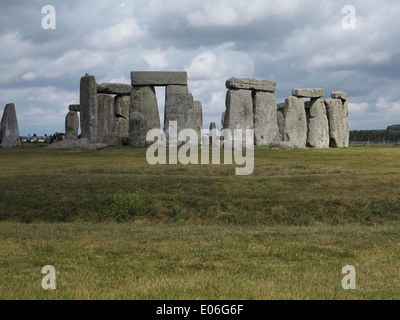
<point x="137" y="130"/>
<point x="105" y="115"/>
<point x="144" y="100"/>
<point x="179" y="107"/>
<point x="265" y="118"/>
<point x="293" y="121"/>
<point x="121" y="110"/>
<point x="88" y="103"/>
<point x="198" y="118"/>
<point x="71" y="125"/>
<point x="337" y="112"/>
<point x="318" y="126"/>
<point x="9" y="132"/>
<point x="239" y="111"/>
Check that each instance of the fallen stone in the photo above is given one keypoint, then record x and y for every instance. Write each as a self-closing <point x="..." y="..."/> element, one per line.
<point x="71" y="126"/>
<point x="158" y="78"/>
<point x="251" y="84"/>
<point x="112" y="140"/>
<point x="82" y="144"/>
<point x="114" y="88"/>
<point x="308" y="93"/>
<point x="282" y="145"/>
<point x="88" y="103"/>
<point x="137" y="130"/>
<point x="144" y="101"/>
<point x="265" y="118"/>
<point x="9" y="132"/>
<point x="339" y="95"/>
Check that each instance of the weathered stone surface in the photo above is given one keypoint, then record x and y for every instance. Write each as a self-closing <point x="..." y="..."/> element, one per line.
<point x="112" y="139"/>
<point x="179" y="107"/>
<point x="114" y="88"/>
<point x="251" y="84"/>
<point x="292" y="122"/>
<point x="122" y="104"/>
<point x="265" y="118"/>
<point x="71" y="126"/>
<point x="105" y="114"/>
<point x="121" y="123"/>
<point x="137" y="130"/>
<point x="308" y="93"/>
<point x="239" y="111"/>
<point x="144" y="100"/>
<point x="281" y="120"/>
<point x="339" y="95"/>
<point x="158" y="78"/>
<point x="9" y="132"/>
<point x="198" y="118"/>
<point x="176" y="89"/>
<point x="213" y="134"/>
<point x="75" y="107"/>
<point x="318" y="127"/>
<point x="77" y="145"/>
<point x="88" y="103"/>
<point x="282" y="145"/>
<point x="223" y="120"/>
<point x="338" y="123"/>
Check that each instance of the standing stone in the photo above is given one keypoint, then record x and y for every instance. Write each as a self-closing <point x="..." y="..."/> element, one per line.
<point x="105" y="114"/>
<point x="337" y="112"/>
<point x="71" y="126"/>
<point x="88" y="103"/>
<point x="265" y="118"/>
<point x="213" y="134"/>
<point x="9" y="132"/>
<point x="223" y="120"/>
<point x="239" y="111"/>
<point x="144" y="100"/>
<point x="293" y="122"/>
<point x="121" y="110"/>
<point x="179" y="107"/>
<point x="137" y="130"/>
<point x="280" y="119"/>
<point x="318" y="126"/>
<point x="198" y="118"/>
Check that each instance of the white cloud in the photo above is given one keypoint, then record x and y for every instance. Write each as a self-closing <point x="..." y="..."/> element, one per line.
<point x="155" y="59"/>
<point x="118" y="35"/>
<point x="29" y="76"/>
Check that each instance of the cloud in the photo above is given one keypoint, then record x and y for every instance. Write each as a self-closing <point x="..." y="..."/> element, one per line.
<point x="121" y="34"/>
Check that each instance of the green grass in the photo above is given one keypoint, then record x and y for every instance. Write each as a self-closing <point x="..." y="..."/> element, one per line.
<point x="199" y="231"/>
<point x="130" y="261"/>
<point x="300" y="187"/>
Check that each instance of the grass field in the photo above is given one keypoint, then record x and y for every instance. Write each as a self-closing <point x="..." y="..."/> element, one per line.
<point x="200" y="231"/>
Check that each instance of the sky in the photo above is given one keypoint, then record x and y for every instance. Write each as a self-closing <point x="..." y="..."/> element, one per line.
<point x="297" y="44"/>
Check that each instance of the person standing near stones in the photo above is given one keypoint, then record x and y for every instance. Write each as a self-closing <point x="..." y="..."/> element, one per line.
<point x="29" y="138"/>
<point x="35" y="139"/>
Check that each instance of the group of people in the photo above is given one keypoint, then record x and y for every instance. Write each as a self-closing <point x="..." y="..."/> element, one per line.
<point x="46" y="139"/>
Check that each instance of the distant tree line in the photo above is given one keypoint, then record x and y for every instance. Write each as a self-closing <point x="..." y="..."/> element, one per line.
<point x="391" y="133"/>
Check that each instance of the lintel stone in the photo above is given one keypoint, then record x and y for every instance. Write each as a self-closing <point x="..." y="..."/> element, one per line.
<point x="339" y="95"/>
<point x="308" y="93"/>
<point x="159" y="78"/>
<point x="251" y="84"/>
<point x="114" y="88"/>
